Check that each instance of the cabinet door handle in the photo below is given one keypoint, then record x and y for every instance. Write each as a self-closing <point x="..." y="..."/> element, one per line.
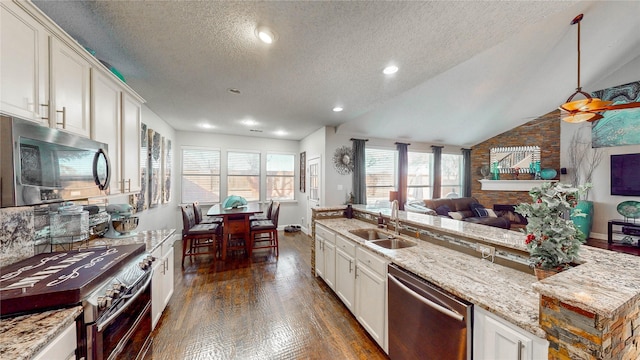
<point x="129" y="185"/>
<point x="519" y="350"/>
<point x="64" y="117"/>
<point x="45" y="117"/>
<point x="350" y="262"/>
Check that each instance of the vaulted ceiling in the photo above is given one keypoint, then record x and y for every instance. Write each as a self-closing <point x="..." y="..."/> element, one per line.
<point x="467" y="70"/>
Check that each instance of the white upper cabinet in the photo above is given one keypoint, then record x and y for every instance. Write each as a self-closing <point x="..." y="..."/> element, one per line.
<point x="24" y="66"/>
<point x="70" y="81"/>
<point x="105" y="121"/>
<point x="130" y="139"/>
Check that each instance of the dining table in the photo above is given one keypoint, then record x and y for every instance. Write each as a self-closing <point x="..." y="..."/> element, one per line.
<point x="236" y="224"/>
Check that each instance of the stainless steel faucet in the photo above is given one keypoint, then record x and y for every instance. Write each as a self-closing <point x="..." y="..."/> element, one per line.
<point x="395" y="216"/>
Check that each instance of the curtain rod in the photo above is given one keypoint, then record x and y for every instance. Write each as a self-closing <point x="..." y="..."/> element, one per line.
<point x="352" y="139"/>
<point x="399" y="143"/>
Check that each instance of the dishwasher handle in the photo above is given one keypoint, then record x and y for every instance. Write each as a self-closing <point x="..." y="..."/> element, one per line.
<point x="425" y="300"/>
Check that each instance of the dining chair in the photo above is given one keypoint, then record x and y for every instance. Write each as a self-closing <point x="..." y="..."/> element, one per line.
<point x="263" y="216"/>
<point x="197" y="211"/>
<point x="265" y="231"/>
<point x="198" y="236"/>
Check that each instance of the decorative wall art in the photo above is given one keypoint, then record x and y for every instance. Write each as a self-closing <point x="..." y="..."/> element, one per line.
<point x="303" y="163"/>
<point x="621" y="127"/>
<point x="139" y="200"/>
<point x="166" y="170"/>
<point x="155" y="149"/>
<point x="343" y="160"/>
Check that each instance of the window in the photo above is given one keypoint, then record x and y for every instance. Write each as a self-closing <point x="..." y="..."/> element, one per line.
<point x="419" y="175"/>
<point x="243" y="175"/>
<point x="451" y="175"/>
<point x="200" y="175"/>
<point x="280" y="176"/>
<point x="381" y="167"/>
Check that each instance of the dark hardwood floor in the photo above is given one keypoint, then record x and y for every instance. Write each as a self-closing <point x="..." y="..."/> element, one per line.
<point x="262" y="308"/>
<point x="603" y="244"/>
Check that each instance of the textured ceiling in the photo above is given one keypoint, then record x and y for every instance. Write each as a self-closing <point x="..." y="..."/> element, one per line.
<point x="468" y="70"/>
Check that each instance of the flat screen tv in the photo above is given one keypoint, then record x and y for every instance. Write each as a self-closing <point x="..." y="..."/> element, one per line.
<point x="625" y="175"/>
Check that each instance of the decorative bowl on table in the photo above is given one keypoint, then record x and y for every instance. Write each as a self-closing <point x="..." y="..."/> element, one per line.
<point x="548" y="174"/>
<point x="234" y="201"/>
<point x="629" y="209"/>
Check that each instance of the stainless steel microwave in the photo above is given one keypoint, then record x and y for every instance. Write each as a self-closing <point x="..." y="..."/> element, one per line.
<point x="40" y="165"/>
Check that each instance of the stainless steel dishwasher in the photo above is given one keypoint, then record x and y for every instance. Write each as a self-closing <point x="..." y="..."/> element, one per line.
<point x="425" y="322"/>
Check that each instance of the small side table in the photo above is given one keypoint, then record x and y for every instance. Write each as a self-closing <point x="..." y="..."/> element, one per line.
<point x="626" y="228"/>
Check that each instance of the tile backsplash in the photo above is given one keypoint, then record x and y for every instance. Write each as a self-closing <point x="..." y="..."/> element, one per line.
<point x="17" y="234"/>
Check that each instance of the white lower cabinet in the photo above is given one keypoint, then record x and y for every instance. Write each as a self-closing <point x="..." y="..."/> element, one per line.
<point x="63" y="347"/>
<point x="361" y="284"/>
<point x="326" y="255"/>
<point x="496" y="339"/>
<point x="162" y="281"/>
<point x="346" y="272"/>
<point x="371" y="294"/>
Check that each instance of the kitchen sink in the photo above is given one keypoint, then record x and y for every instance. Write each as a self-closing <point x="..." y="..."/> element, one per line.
<point x="370" y="234"/>
<point x="382" y="239"/>
<point x="393" y="243"/>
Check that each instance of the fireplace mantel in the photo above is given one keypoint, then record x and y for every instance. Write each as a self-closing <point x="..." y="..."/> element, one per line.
<point x="511" y="185"/>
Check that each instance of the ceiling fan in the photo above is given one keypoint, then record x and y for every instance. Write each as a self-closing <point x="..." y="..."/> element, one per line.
<point x="589" y="108"/>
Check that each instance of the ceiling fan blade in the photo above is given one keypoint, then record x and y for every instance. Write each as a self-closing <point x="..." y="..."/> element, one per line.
<point x="630" y="105"/>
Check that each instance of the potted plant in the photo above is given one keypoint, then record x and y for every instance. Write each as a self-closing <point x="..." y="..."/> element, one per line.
<point x="553" y="240"/>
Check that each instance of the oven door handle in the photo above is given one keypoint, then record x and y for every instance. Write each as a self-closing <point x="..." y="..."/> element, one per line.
<point x="425" y="301"/>
<point x="113" y="316"/>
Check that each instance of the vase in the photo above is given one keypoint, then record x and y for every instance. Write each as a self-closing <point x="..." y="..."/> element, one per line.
<point x="583" y="223"/>
<point x="544" y="273"/>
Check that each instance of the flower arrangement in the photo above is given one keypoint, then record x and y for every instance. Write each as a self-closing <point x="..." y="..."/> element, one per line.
<point x="552" y="239"/>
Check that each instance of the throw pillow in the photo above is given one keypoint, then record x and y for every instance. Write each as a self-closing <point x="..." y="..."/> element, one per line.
<point x="443" y="210"/>
<point x="491" y="213"/>
<point x="481" y="212"/>
<point x="457" y="215"/>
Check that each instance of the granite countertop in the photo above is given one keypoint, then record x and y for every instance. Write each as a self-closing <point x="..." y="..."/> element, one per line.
<point x="605" y="282"/>
<point x="152" y="239"/>
<point x="504" y="291"/>
<point x="22" y="337"/>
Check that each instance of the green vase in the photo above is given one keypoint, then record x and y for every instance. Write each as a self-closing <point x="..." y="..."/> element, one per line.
<point x="583" y="223"/>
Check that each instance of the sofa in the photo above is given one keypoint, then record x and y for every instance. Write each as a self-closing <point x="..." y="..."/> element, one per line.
<point x="465" y="209"/>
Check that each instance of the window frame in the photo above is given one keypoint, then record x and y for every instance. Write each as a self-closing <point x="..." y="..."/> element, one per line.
<point x="210" y="175"/>
<point x="393" y="186"/>
<point x="292" y="176"/>
<point x="429" y="186"/>
<point x="258" y="176"/>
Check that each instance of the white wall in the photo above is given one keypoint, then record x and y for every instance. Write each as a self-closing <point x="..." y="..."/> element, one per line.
<point x="164" y="215"/>
<point x="288" y="209"/>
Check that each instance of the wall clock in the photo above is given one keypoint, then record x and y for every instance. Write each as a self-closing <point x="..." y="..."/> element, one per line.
<point x="343" y="160"/>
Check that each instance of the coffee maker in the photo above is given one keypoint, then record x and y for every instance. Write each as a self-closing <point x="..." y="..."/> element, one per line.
<point x="122" y="223"/>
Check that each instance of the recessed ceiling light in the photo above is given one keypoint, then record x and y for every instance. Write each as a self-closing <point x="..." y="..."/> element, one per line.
<point x="338" y="108"/>
<point x="249" y="122"/>
<point x="280" y="133"/>
<point x="391" y="69"/>
<point x="234" y="91"/>
<point x="207" y="126"/>
<point x="266" y="35"/>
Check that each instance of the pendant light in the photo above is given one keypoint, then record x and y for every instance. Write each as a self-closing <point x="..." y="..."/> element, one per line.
<point x="587" y="109"/>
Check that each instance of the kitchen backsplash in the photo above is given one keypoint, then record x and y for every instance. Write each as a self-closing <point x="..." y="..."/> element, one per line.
<point x="17" y="234"/>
